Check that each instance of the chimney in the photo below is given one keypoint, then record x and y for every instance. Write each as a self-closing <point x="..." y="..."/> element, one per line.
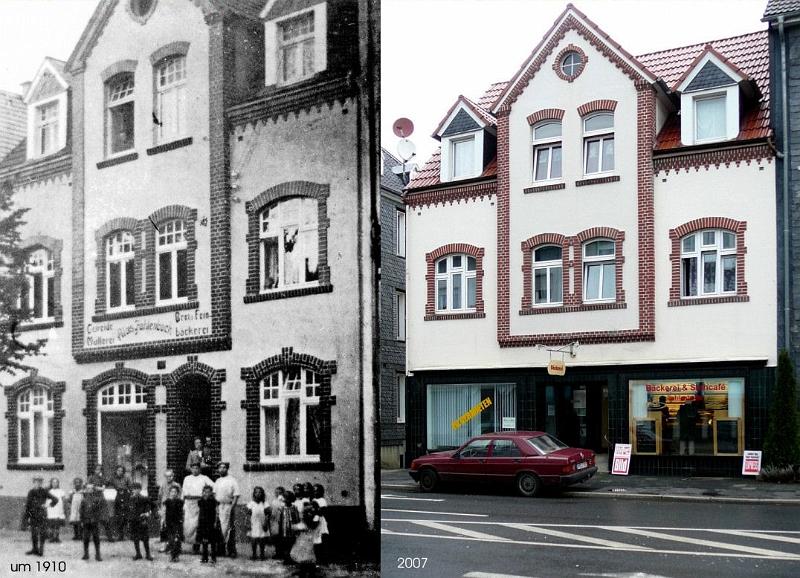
<point x="25" y="87"/>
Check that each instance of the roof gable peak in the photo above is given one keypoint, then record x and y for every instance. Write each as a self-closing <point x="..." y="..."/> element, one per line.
<point x="463" y="106"/>
<point x="50" y="68"/>
<point x="706" y="56"/>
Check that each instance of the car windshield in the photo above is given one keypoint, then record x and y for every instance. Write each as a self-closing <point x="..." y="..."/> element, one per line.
<point x="546" y="444"/>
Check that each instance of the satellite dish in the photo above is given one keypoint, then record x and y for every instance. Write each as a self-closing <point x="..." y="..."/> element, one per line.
<point x="406" y="149"/>
<point x="403" y="127"/>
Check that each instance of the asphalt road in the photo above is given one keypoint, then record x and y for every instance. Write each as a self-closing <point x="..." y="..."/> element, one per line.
<point x="483" y="534"/>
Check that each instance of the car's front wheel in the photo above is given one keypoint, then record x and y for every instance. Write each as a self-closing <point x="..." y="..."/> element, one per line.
<point x="428" y="480"/>
<point x="528" y="484"/>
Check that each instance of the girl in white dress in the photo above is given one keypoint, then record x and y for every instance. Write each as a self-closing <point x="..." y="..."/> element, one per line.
<point x="75" y="499"/>
<point x="259" y="526"/>
<point x="321" y="530"/>
<point x="55" y="513"/>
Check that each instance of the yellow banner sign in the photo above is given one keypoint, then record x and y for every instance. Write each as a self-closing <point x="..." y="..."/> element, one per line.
<point x="475" y="410"/>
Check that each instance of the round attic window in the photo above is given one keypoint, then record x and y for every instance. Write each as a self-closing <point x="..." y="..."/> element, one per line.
<point x="570" y="64"/>
<point x="141" y="10"/>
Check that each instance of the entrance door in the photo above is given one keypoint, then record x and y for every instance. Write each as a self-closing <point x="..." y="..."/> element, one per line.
<point x="122" y="443"/>
<point x="192" y="419"/>
<point x="577" y="414"/>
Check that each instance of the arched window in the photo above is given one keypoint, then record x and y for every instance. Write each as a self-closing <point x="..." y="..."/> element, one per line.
<point x="598" y="143"/>
<point x="122" y="396"/>
<point x="171" y="267"/>
<point x="35" y="423"/>
<point x="547" y="150"/>
<point x="708" y="263"/>
<point x="456" y="283"/>
<point x="289" y="244"/>
<point x="40" y="296"/>
<point x="290" y="416"/>
<point x="170" y="111"/>
<point x="547" y="275"/>
<point x="599" y="270"/>
<point x="120" y="113"/>
<point x="571" y="64"/>
<point x="120" y="270"/>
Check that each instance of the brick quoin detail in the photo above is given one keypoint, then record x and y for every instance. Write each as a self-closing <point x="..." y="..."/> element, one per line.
<point x="597" y="106"/>
<point x="253" y="376"/>
<point x="528" y="247"/>
<point x="714" y="158"/>
<point x="545" y="114"/>
<point x="12" y="393"/>
<point x="430" y="278"/>
<point x="724" y="223"/>
<point x="560" y="57"/>
<point x="451" y="195"/>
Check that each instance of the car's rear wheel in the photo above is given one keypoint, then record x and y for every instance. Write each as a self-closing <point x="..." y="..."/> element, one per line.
<point x="428" y="480"/>
<point x="528" y="484"/>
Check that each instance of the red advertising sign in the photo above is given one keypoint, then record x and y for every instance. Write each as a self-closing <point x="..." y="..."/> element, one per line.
<point x="622" y="459"/>
<point x="751" y="463"/>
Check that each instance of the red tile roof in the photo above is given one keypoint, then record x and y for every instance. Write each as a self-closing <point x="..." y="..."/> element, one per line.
<point x="491" y="95"/>
<point x="428" y="175"/>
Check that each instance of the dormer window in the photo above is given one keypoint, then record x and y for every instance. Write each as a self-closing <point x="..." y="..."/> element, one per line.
<point x="709" y="118"/>
<point x="46" y="130"/>
<point x="463" y="157"/>
<point x="120" y="116"/>
<point x="296" y="42"/>
<point x="296" y="48"/>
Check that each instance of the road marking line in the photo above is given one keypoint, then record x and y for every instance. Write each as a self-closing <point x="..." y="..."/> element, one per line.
<point x="638" y="527"/>
<point x="760" y="536"/>
<point x="569" y="536"/>
<point x="391" y="497"/>
<point x="698" y="541"/>
<point x="398" y="485"/>
<point x="430" y="512"/>
<point x="491" y="575"/>
<point x="786" y="557"/>
<point x="461" y="531"/>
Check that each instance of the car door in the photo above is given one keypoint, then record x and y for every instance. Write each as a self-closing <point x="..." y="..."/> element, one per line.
<point x="504" y="460"/>
<point x="468" y="463"/>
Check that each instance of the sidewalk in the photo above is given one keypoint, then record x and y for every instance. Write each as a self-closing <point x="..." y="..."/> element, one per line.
<point x="604" y="485"/>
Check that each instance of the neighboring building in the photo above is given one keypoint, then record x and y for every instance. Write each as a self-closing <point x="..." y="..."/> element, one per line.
<point x="212" y="272"/>
<point x="12" y="121"/>
<point x="783" y="17"/>
<point x="393" y="313"/>
<point x="623" y="203"/>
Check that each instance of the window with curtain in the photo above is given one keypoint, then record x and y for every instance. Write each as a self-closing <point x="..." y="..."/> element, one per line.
<point x="456" y="283"/>
<point x="463" y="158"/>
<point x="290" y="415"/>
<point x="710" y="118"/>
<point x="296" y="48"/>
<point x="171" y="265"/>
<point x="547" y="275"/>
<point x="598" y="143"/>
<point x="289" y="234"/>
<point x="120" y="270"/>
<point x="599" y="271"/>
<point x="708" y="263"/>
<point x="120" y="113"/>
<point x="171" y="99"/>
<point x="547" y="151"/>
<point x="40" y="291"/>
<point x="35" y="423"/>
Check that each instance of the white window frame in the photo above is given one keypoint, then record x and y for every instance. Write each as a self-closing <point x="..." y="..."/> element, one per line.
<point x="454" y="142"/>
<point x="705" y="97"/>
<point x="451" y="271"/>
<point x="49" y="125"/>
<point x="30" y="401"/>
<point x="303" y="43"/>
<point x="547" y="144"/>
<point x="275" y="225"/>
<point x="601" y="260"/>
<point x="119" y="250"/>
<point x="400" y="236"/>
<point x="272" y="32"/>
<point x="274" y="390"/>
<point x="720" y="252"/>
<point x="401" y="398"/>
<point x="575" y="66"/>
<point x="116" y="397"/>
<point x="400" y="316"/>
<point x="174" y="88"/>
<point x="128" y="97"/>
<point x="549" y="267"/>
<point x="172" y="247"/>
<point x="40" y="262"/>
<point x="602" y="136"/>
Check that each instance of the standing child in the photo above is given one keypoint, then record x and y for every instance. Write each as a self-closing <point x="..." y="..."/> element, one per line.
<point x="289" y="517"/>
<point x="259" y="527"/>
<point x="275" y="509"/>
<point x="321" y="530"/>
<point x="208" y="525"/>
<point x="55" y="512"/>
<point x="92" y="514"/>
<point x="173" y="522"/>
<point x="302" y="552"/>
<point x="75" y="499"/>
<point x="140" y="509"/>
<point x="36" y="515"/>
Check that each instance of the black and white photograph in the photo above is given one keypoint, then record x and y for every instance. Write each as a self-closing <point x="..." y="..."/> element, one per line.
<point x="188" y="287"/>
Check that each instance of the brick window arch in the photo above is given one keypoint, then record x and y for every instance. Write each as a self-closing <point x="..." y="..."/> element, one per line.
<point x="30" y="446"/>
<point x="285" y="389"/>
<point x="733" y="245"/>
<point x="43" y="293"/>
<point x="287" y="242"/>
<point x="529" y="246"/>
<point x="570" y="63"/>
<point x="435" y="256"/>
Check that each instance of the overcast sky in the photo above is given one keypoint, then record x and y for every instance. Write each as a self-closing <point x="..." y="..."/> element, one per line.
<point x="434" y="50"/>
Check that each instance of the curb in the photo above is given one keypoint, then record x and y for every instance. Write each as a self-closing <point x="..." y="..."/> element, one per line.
<point x="679" y="498"/>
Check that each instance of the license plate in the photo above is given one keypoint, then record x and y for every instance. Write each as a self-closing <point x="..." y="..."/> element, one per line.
<point x="581" y="465"/>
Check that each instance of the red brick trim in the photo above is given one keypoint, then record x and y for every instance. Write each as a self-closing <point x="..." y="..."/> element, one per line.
<point x="12" y="393"/>
<point x="724" y="223"/>
<point x="713" y="158"/>
<point x="560" y="57"/>
<point x="583" y="337"/>
<point x="430" y="278"/>
<point x="545" y="188"/>
<point x="578" y="241"/>
<point x="597" y="181"/>
<point x="116" y="68"/>
<point x="178" y="48"/>
<point x="528" y="246"/>
<point x="451" y="194"/>
<point x="543" y="310"/>
<point x="545" y="114"/>
<point x="597" y="106"/>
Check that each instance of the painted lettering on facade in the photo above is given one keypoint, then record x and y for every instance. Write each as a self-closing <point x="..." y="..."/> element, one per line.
<point x="163" y="326"/>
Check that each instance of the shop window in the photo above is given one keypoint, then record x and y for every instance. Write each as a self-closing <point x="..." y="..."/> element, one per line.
<point x="687" y="417"/>
<point x="548" y="275"/>
<point x="120" y="270"/>
<point x="120" y="114"/>
<point x="122" y="396"/>
<point x="170" y="112"/>
<point x="35" y="425"/>
<point x="40" y="292"/>
<point x="172" y="258"/>
<point x="599" y="270"/>
<point x="290" y="416"/>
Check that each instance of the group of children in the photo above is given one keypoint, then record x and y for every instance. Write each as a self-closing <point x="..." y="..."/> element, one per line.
<point x="293" y="522"/>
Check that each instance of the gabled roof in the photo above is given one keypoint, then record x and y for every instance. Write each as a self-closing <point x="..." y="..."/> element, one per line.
<point x="15" y="156"/>
<point x="49" y="68"/>
<point x="707" y="54"/>
<point x="776" y="8"/>
<point x="428" y="175"/>
<point x="478" y="112"/>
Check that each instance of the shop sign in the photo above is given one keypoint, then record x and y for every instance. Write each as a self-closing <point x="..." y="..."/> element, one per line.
<point x="146" y="329"/>
<point x="751" y="463"/>
<point x="622" y="459"/>
<point x="556" y="367"/>
<point x="509" y="423"/>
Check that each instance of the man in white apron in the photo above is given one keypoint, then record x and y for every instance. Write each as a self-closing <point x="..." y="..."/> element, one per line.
<point x="226" y="492"/>
<point x="193" y="485"/>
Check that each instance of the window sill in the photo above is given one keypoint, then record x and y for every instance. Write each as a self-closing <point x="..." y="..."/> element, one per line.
<point x="572" y="308"/>
<point x="37" y="326"/>
<point x="448" y="316"/>
<point x="545" y="188"/>
<point x="145" y="311"/>
<point x="117" y="160"/>
<point x="708" y="300"/>
<point x="288" y="293"/>
<point x="597" y="180"/>
<point x="170" y="146"/>
<point x="35" y="466"/>
<point x="288" y="467"/>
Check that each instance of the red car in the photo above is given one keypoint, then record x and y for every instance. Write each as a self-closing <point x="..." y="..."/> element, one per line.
<point x="528" y="459"/>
